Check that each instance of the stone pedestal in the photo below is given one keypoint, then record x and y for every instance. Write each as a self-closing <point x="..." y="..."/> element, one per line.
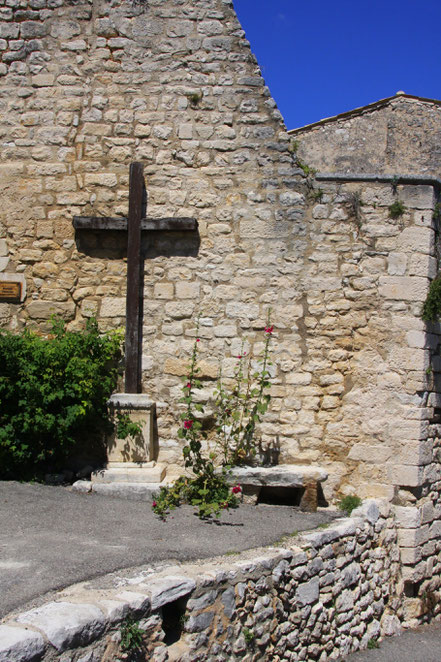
<point x="131" y="460"/>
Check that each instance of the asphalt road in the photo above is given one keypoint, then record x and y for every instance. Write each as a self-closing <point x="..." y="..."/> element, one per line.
<point x="421" y="645"/>
<point x="51" y="537"/>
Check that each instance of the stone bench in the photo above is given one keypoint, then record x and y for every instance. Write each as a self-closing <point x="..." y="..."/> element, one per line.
<point x="305" y="479"/>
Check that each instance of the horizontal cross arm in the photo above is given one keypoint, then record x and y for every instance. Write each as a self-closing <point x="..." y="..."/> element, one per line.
<point x="177" y="224"/>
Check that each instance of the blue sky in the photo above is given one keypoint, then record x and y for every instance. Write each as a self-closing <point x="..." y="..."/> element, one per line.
<point x="320" y="58"/>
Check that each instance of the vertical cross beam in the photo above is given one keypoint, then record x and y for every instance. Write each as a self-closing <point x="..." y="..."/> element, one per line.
<point x="134" y="295"/>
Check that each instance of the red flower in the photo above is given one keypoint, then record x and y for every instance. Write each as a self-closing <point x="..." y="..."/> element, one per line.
<point x="188" y="385"/>
<point x="154" y="504"/>
<point x="198" y="340"/>
<point x="269" y="329"/>
<point x="188" y="425"/>
<point x="239" y="357"/>
<point x="236" y="489"/>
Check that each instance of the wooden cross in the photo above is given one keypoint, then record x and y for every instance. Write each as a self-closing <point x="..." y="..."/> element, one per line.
<point x="134" y="225"/>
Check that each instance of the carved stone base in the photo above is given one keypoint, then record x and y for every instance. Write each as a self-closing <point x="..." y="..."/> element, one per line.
<point x="137" y="449"/>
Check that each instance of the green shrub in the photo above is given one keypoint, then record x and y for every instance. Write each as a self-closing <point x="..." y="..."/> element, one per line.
<point x="53" y="394"/>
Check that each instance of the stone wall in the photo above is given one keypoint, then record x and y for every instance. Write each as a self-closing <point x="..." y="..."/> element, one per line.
<point x="419" y="516"/>
<point x="366" y="350"/>
<point x="89" y="87"/>
<point x="318" y="597"/>
<point x="400" y="135"/>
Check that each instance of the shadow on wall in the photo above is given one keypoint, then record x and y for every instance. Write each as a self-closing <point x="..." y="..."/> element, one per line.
<point x="112" y="244"/>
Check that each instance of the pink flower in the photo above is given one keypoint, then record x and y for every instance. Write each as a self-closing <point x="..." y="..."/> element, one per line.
<point x="239" y="357"/>
<point x="188" y="385"/>
<point x="188" y="425"/>
<point x="236" y="489"/>
<point x="269" y="329"/>
<point x="154" y="504"/>
<point x="198" y="340"/>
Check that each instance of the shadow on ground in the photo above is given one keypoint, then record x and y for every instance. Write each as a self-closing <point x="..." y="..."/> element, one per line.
<point x="51" y="537"/>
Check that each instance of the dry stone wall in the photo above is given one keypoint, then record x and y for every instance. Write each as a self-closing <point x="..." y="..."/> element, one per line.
<point x="317" y="597"/>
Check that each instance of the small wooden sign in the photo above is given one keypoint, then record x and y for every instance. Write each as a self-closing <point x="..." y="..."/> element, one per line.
<point x="10" y="291"/>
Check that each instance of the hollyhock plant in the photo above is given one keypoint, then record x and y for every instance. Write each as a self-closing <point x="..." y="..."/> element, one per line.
<point x="237" y="412"/>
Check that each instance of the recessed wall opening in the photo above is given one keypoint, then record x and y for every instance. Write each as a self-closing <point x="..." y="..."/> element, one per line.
<point x="288" y="496"/>
<point x="321" y="499"/>
<point x="411" y="589"/>
<point x="436" y="416"/>
<point x="281" y="496"/>
<point x="173" y="619"/>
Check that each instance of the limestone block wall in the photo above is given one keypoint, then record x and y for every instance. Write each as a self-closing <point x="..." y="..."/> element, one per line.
<point x="86" y="88"/>
<point x="366" y="352"/>
<point x="351" y="351"/>
<point x="397" y="135"/>
<point x="319" y="596"/>
<point x="419" y="515"/>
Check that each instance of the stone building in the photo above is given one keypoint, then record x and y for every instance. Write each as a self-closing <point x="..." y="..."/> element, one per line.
<point x="400" y="134"/>
<point x="86" y="88"/>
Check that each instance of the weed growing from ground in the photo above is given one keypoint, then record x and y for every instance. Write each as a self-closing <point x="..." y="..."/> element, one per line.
<point x="373" y="643"/>
<point x="349" y="503"/>
<point x="131" y="635"/>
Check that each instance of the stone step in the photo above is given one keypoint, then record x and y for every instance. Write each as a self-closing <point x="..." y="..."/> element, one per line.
<point x="129" y="491"/>
<point x="130" y="473"/>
